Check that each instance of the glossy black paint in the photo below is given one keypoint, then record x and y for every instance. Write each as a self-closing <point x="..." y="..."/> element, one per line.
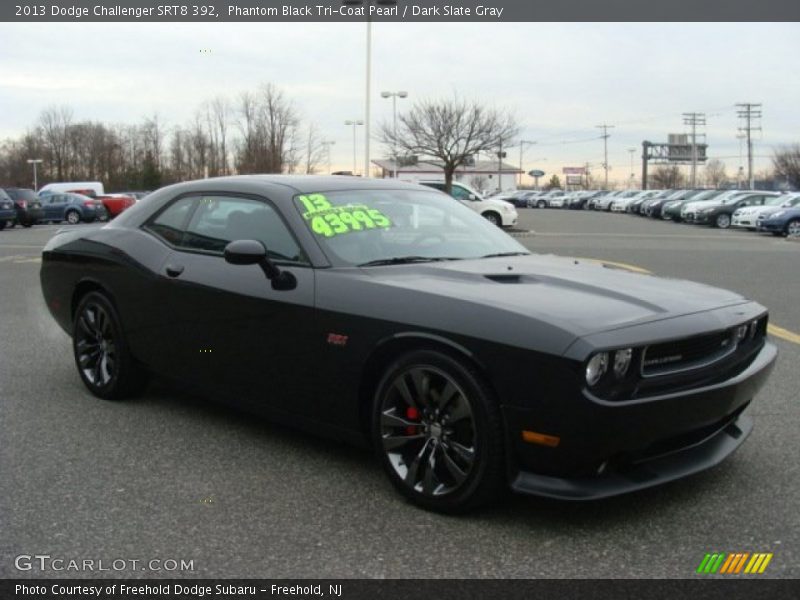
<point x="312" y="353"/>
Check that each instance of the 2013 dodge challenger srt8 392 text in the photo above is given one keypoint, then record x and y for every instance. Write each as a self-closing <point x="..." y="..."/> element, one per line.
<point x="387" y="312"/>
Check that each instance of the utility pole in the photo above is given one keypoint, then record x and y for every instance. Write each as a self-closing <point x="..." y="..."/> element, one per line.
<point x="694" y="119"/>
<point x="605" y="137"/>
<point x="500" y="156"/>
<point x="749" y="112"/>
<point x="633" y="178"/>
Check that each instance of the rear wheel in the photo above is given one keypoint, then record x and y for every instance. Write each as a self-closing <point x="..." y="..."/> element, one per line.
<point x="101" y="354"/>
<point x="438" y="433"/>
<point x="73" y="218"/>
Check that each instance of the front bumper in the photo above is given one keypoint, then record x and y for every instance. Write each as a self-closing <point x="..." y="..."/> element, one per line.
<point x="772" y="226"/>
<point x="609" y="449"/>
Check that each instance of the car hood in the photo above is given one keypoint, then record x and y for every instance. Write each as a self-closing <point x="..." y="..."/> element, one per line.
<point x="535" y="295"/>
<point x="498" y="202"/>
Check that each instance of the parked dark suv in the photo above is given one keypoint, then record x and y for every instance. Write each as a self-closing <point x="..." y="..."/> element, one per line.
<point x="27" y="205"/>
<point x="7" y="213"/>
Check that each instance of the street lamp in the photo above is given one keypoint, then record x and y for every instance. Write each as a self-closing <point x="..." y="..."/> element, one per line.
<point x="327" y="145"/>
<point x="521" y="146"/>
<point x="34" y="162"/>
<point x="394" y="96"/>
<point x="354" y="124"/>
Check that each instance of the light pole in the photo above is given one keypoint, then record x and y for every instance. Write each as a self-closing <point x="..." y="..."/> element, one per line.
<point x="34" y="162"/>
<point x="521" y="146"/>
<point x="327" y="145"/>
<point x="631" y="150"/>
<point x="354" y="124"/>
<point x="394" y="96"/>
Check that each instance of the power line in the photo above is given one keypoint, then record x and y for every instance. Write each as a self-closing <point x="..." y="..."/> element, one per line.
<point x="605" y="137"/>
<point x="749" y="112"/>
<point x="694" y="119"/>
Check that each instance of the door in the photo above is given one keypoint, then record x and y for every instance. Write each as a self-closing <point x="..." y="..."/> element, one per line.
<point x="239" y="336"/>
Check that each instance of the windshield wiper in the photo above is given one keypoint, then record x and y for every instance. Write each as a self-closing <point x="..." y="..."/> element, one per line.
<point x="499" y="254"/>
<point x="404" y="260"/>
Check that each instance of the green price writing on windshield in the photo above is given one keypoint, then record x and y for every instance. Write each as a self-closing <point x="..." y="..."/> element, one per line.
<point x="328" y="220"/>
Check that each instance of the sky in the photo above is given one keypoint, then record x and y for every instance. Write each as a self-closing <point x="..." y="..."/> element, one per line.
<point x="560" y="80"/>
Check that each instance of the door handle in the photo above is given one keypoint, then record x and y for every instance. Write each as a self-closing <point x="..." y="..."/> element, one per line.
<point x="174" y="270"/>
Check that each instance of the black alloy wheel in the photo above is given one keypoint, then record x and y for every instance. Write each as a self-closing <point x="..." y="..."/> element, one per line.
<point x="101" y="354"/>
<point x="438" y="433"/>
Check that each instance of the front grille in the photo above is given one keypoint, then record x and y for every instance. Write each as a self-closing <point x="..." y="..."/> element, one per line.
<point x="686" y="354"/>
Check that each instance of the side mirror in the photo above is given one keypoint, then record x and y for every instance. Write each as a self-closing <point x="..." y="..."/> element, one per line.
<point x="472" y="197"/>
<point x="254" y="252"/>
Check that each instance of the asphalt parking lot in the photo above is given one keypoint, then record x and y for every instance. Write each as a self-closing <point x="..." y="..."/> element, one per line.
<point x="174" y="477"/>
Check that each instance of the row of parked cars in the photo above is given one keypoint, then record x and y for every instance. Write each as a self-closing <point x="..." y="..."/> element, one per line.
<point x="774" y="212"/>
<point x="52" y="204"/>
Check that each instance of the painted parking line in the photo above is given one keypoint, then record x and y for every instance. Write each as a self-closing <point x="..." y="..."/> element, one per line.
<point x="774" y="330"/>
<point x="784" y="334"/>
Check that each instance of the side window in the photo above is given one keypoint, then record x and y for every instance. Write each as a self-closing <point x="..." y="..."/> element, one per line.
<point x="169" y="224"/>
<point x="460" y="193"/>
<point x="220" y="220"/>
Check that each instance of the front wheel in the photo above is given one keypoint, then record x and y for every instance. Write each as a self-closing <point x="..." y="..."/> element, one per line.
<point x="541" y="204"/>
<point x="723" y="221"/>
<point x="438" y="433"/>
<point x="493" y="218"/>
<point x="101" y="353"/>
<point x="793" y="227"/>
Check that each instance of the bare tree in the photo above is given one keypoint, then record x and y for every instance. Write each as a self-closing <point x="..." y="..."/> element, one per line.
<point x="668" y="177"/>
<point x="715" y="173"/>
<point x="450" y="131"/>
<point x="314" y="149"/>
<point x="55" y="123"/>
<point x="786" y="162"/>
<point x="269" y="125"/>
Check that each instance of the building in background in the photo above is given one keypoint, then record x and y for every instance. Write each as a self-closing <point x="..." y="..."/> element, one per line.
<point x="481" y="175"/>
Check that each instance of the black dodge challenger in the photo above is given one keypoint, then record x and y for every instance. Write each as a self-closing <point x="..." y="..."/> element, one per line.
<point x="386" y="312"/>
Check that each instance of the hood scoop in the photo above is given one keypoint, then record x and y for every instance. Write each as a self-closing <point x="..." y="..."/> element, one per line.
<point x="510" y="278"/>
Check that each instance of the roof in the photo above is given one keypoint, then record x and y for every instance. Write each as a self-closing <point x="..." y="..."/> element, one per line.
<point x="481" y="166"/>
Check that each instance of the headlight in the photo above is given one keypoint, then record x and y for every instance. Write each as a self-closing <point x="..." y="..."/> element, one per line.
<point x="775" y="215"/>
<point x="596" y="367"/>
<point x="622" y="360"/>
<point x="741" y="332"/>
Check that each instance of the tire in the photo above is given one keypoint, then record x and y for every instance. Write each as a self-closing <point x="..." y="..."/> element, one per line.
<point x="793" y="227"/>
<point x="445" y="453"/>
<point x="541" y="204"/>
<point x="723" y="221"/>
<point x="73" y="217"/>
<point x="102" y="357"/>
<point x="26" y="224"/>
<point x="2" y="225"/>
<point x="493" y="218"/>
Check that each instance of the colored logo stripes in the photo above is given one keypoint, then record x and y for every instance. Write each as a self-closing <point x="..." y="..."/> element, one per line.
<point x="735" y="563"/>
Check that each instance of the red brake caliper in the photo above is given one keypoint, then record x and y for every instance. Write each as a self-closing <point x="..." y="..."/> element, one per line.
<point x="413" y="415"/>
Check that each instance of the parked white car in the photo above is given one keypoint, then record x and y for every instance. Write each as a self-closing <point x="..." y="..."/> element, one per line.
<point x="747" y="216"/>
<point x="499" y="212"/>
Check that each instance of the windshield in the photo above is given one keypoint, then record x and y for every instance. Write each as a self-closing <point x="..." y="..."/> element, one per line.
<point x="357" y="227"/>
